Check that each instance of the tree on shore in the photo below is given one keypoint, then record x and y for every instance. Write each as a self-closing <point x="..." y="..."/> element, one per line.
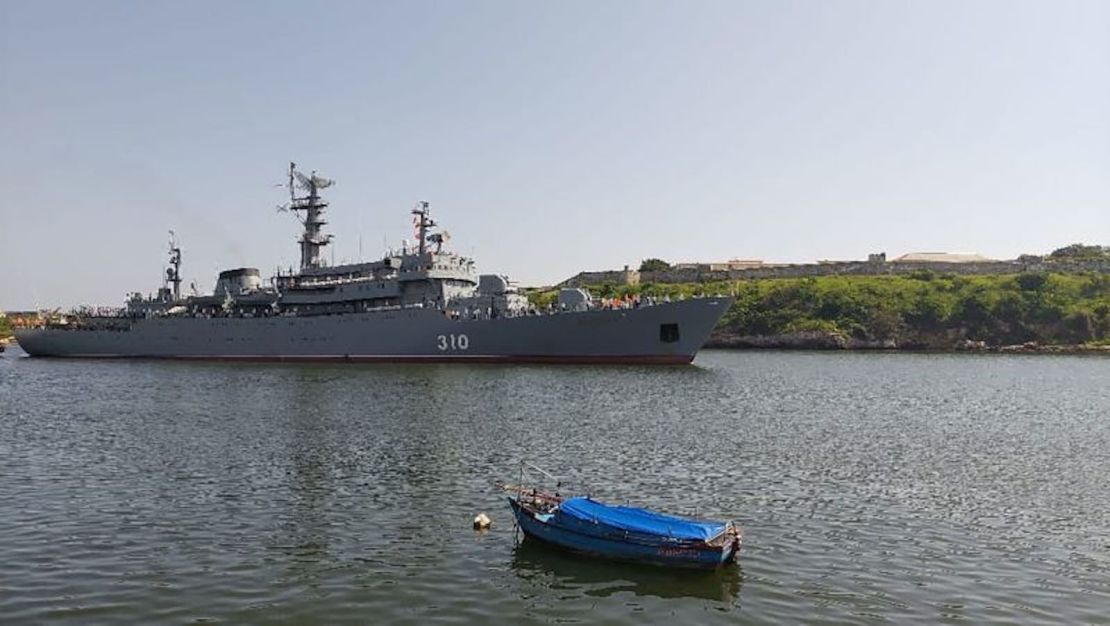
<point x="1079" y="251"/>
<point x="654" y="265"/>
<point x="1047" y="308"/>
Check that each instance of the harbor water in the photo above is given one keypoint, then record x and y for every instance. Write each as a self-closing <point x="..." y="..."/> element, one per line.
<point x="871" y="488"/>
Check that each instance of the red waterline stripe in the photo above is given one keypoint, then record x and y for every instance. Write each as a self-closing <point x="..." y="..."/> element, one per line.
<point x="656" y="359"/>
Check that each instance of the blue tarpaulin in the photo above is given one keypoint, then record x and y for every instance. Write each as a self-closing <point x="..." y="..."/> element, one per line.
<point x="638" y="520"/>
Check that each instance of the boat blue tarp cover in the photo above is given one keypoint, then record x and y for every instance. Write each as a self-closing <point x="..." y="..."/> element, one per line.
<point x="639" y="520"/>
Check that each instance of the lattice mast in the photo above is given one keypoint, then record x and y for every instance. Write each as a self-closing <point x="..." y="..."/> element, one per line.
<point x="423" y="224"/>
<point x="173" y="272"/>
<point x="313" y="238"/>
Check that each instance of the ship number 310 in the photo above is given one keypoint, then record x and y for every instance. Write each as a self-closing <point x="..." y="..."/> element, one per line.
<point x="452" y="342"/>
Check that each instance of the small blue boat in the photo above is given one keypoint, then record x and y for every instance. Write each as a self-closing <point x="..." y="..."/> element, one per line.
<point x="625" y="533"/>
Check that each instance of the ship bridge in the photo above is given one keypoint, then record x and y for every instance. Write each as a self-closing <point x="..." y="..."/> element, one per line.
<point x="421" y="275"/>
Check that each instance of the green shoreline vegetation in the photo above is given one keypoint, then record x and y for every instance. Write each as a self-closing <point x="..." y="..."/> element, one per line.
<point x="924" y="310"/>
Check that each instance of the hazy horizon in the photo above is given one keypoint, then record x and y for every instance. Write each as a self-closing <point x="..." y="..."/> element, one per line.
<point x="549" y="139"/>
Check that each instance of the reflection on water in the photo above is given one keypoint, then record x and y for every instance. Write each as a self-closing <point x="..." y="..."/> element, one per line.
<point x="566" y="572"/>
<point x="302" y="535"/>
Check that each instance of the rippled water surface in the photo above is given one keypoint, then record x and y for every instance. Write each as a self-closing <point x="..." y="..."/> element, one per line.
<point x="872" y="487"/>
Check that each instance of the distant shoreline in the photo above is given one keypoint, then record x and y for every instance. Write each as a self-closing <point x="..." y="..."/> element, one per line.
<point x="828" y="342"/>
<point x="1033" y="312"/>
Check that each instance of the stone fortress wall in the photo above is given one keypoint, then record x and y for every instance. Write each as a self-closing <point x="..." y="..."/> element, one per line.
<point x="876" y="266"/>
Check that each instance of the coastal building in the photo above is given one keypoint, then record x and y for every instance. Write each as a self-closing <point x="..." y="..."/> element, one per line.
<point x="20" y="319"/>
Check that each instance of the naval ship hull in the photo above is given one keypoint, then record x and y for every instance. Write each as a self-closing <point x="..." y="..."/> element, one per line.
<point x="636" y="335"/>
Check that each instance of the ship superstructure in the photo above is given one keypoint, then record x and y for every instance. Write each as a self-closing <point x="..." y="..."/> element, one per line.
<point x="422" y="302"/>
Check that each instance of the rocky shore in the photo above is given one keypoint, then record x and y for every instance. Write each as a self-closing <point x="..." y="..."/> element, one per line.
<point x="822" y="340"/>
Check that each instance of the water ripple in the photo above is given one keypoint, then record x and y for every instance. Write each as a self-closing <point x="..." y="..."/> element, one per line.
<point x="879" y="487"/>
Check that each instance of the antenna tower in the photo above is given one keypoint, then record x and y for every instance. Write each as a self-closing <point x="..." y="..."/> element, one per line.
<point x="423" y="224"/>
<point x="312" y="239"/>
<point x="173" y="272"/>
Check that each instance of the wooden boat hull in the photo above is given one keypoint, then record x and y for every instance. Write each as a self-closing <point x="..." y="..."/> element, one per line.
<point x="608" y="543"/>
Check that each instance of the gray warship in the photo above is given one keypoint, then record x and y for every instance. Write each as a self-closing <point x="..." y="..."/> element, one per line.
<point x="422" y="303"/>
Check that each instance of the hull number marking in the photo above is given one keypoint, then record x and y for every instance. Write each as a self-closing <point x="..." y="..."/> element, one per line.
<point x="452" y="342"/>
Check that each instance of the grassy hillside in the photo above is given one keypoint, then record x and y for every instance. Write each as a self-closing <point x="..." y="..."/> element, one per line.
<point x="924" y="310"/>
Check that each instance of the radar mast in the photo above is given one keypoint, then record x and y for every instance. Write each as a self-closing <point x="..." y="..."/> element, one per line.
<point x="423" y="223"/>
<point x="173" y="272"/>
<point x="312" y="239"/>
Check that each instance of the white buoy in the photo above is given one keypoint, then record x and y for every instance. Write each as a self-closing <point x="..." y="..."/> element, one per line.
<point x="482" y="522"/>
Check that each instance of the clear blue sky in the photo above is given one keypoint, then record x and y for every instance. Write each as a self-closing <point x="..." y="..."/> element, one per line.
<point x="549" y="137"/>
